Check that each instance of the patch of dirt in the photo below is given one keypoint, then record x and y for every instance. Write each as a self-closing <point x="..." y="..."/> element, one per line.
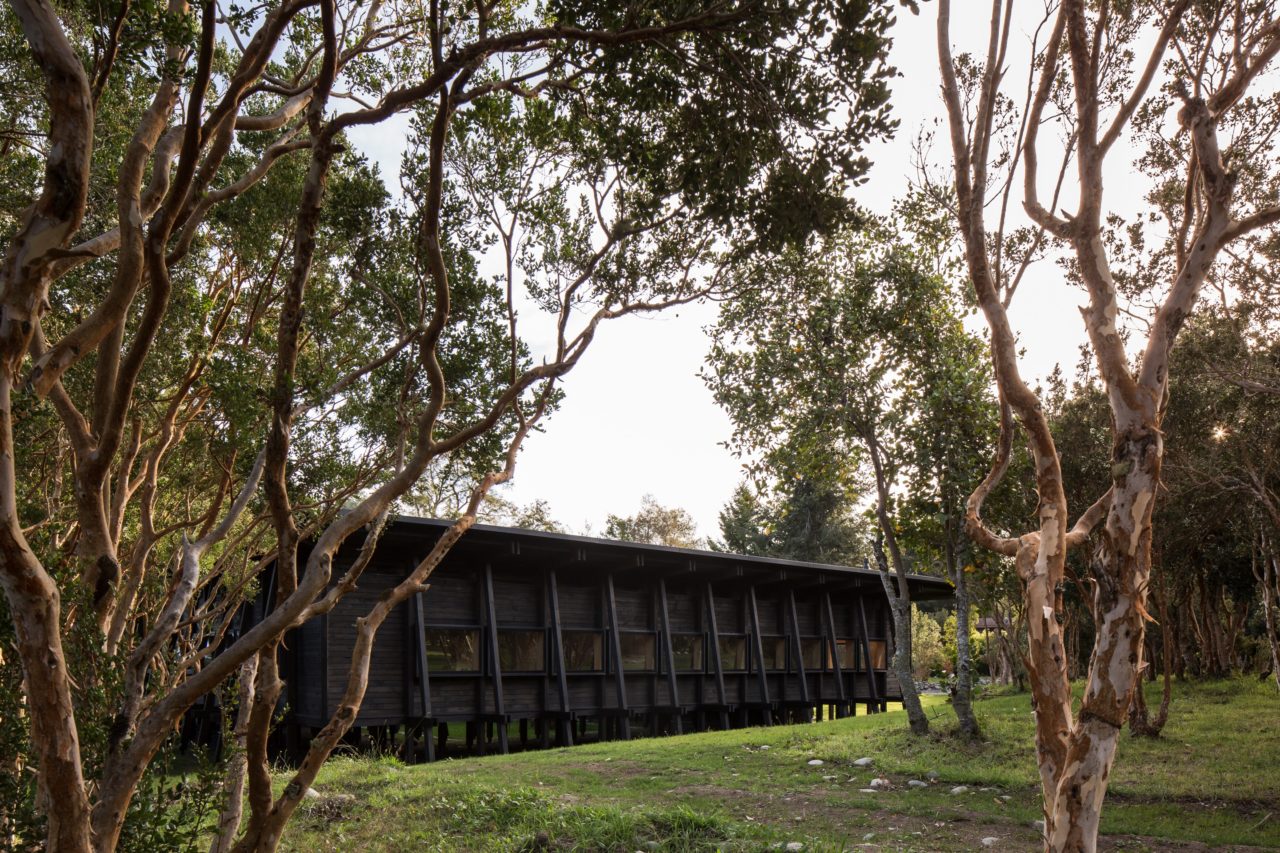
<point x="616" y="769"/>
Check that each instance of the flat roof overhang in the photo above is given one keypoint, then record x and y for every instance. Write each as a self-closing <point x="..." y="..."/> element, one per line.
<point x="586" y="555"/>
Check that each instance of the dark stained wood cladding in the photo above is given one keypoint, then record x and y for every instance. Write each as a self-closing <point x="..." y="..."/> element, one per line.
<point x="683" y="608"/>
<point x="580" y="606"/>
<point x="521" y="564"/>
<point x="452" y="599"/>
<point x="635" y="606"/>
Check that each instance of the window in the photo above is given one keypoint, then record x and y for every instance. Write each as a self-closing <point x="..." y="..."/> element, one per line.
<point x="638" y="651"/>
<point x="583" y="651"/>
<point x="847" y="654"/>
<point x="775" y="652"/>
<point x="522" y="651"/>
<point x="811" y="653"/>
<point x="452" y="649"/>
<point x="733" y="652"/>
<point x="686" y="652"/>
<point x="878" y="654"/>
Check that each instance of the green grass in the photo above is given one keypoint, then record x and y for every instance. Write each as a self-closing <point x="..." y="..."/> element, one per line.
<point x="1212" y="779"/>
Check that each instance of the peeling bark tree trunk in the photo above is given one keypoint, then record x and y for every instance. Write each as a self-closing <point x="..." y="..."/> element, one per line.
<point x="1076" y="752"/>
<point x="1264" y="570"/>
<point x="233" y="784"/>
<point x="33" y="596"/>
<point x="1121" y="568"/>
<point x="962" y="699"/>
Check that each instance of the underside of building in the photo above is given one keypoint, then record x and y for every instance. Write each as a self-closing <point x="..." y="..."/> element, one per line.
<point x="528" y="638"/>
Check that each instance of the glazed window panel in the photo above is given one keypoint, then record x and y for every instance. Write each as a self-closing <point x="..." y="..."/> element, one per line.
<point x="639" y="651"/>
<point x="686" y="652"/>
<point x="775" y="652"/>
<point x="846" y="653"/>
<point x="811" y="653"/>
<point x="879" y="654"/>
<point x="452" y="649"/>
<point x="583" y="651"/>
<point x="733" y="652"/>
<point x="522" y="651"/>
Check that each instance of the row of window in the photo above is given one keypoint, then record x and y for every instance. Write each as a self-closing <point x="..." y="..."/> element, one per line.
<point x="458" y="650"/>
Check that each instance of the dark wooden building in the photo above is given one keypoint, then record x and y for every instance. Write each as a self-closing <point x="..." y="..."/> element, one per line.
<point x="545" y="638"/>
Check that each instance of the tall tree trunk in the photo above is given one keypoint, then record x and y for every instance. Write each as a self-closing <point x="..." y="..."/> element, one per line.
<point x="1121" y="570"/>
<point x="962" y="699"/>
<point x="233" y="778"/>
<point x="899" y="593"/>
<point x="1264" y="570"/>
<point x="900" y="610"/>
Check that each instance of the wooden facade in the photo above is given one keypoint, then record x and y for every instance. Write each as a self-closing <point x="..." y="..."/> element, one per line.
<point x="552" y="638"/>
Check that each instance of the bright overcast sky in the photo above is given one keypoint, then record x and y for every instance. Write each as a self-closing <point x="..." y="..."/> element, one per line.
<point x="637" y="419"/>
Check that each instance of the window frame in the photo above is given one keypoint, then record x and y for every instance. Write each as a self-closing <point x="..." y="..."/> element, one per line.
<point x="477" y="633"/>
<point x="701" y="641"/>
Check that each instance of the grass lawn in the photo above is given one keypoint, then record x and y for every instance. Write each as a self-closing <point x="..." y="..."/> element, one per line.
<point x="1213" y="779"/>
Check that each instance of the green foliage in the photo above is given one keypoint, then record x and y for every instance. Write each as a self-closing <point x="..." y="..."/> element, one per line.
<point x="854" y="342"/>
<point x="654" y="524"/>
<point x="723" y="138"/>
<point x="931" y="653"/>
<point x="531" y="516"/>
<point x="977" y="639"/>
<point x="810" y="515"/>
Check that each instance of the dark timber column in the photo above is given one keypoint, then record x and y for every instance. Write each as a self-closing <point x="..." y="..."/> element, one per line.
<point x="715" y="657"/>
<point x="874" y="704"/>
<point x="420" y="652"/>
<point x="564" y="724"/>
<point x="669" y="653"/>
<point x="828" y="616"/>
<point x="758" y="646"/>
<point x="799" y="650"/>
<point x="495" y="667"/>
<point x="615" y="648"/>
<point x="325" y="713"/>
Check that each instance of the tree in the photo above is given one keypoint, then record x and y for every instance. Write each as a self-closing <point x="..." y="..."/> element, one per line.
<point x="231" y="333"/>
<point x="854" y="348"/>
<point x="811" y="516"/>
<point x="1089" y="81"/>
<point x="532" y="516"/>
<point x="745" y="524"/>
<point x="655" y="524"/>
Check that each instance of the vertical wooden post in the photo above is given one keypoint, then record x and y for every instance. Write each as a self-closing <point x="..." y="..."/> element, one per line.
<point x="326" y="712"/>
<point x="798" y="648"/>
<point x="564" y="727"/>
<point x="615" y="646"/>
<point x="758" y="646"/>
<point x="665" y="618"/>
<point x="828" y="616"/>
<point x="495" y="663"/>
<point x="715" y="657"/>
<point x="424" y="686"/>
<point x="866" y="649"/>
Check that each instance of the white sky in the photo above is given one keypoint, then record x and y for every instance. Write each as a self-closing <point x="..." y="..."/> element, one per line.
<point x="636" y="418"/>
